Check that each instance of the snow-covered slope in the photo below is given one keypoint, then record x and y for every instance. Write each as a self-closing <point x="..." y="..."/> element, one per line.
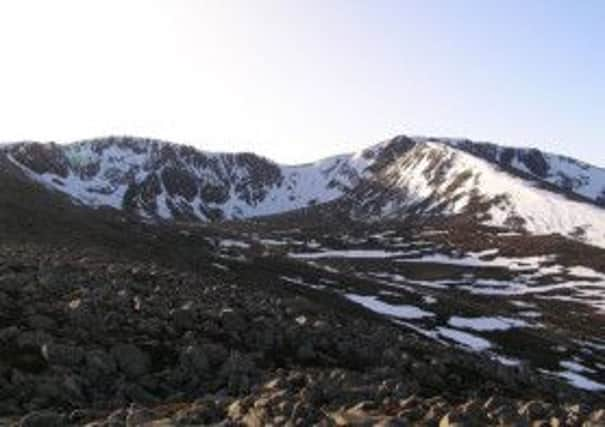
<point x="396" y="178"/>
<point x="564" y="172"/>
<point x="158" y="179"/>
<point x="436" y="178"/>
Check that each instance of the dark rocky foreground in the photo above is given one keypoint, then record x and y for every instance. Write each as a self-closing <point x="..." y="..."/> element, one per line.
<point x="86" y="338"/>
<point x="109" y="322"/>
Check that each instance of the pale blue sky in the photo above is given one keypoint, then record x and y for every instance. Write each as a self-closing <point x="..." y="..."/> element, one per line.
<point x="298" y="80"/>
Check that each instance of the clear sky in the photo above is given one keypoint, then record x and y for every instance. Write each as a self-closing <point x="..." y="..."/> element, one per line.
<point x="298" y="80"/>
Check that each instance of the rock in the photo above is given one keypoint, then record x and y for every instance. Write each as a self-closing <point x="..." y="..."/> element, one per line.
<point x="237" y="409"/>
<point x="217" y="354"/>
<point x="193" y="360"/>
<point x="72" y="389"/>
<point x="26" y="358"/>
<point x="138" y="416"/>
<point x="305" y="352"/>
<point x="184" y="319"/>
<point x="392" y="422"/>
<point x="534" y="410"/>
<point x="65" y="355"/>
<point x="202" y="412"/>
<point x="131" y="360"/>
<point x="456" y="419"/>
<point x="49" y="390"/>
<point x="99" y="364"/>
<point x="33" y="339"/>
<point x="115" y="419"/>
<point x="358" y="418"/>
<point x="598" y="416"/>
<point x="232" y="320"/>
<point x="512" y="420"/>
<point x="255" y="417"/>
<point x="84" y="416"/>
<point x="43" y="419"/>
<point x="8" y="334"/>
<point x="10" y="284"/>
<point x="312" y="394"/>
<point x="41" y="322"/>
<point x="275" y="384"/>
<point x="138" y="394"/>
<point x="9" y="407"/>
<point x="237" y="370"/>
<point x="596" y="419"/>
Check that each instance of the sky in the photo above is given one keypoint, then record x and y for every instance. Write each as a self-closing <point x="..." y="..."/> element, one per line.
<point x="299" y="80"/>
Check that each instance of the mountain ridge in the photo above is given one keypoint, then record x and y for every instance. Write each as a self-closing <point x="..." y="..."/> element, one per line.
<point x="157" y="180"/>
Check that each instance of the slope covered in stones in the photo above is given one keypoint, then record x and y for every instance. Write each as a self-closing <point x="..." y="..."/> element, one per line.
<point x="117" y="323"/>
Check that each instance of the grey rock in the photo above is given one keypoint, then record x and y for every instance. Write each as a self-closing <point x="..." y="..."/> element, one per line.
<point x="202" y="412"/>
<point x="33" y="339"/>
<point x="138" y="394"/>
<point x="306" y="352"/>
<point x="42" y="419"/>
<point x="184" y="319"/>
<point x="137" y="416"/>
<point x="9" y="333"/>
<point x="193" y="360"/>
<point x="454" y="419"/>
<point x="41" y="322"/>
<point x="237" y="370"/>
<point x="216" y="353"/>
<point x="99" y="364"/>
<point x="9" y="407"/>
<point x="65" y="355"/>
<point x="232" y="320"/>
<point x="131" y="360"/>
<point x="72" y="389"/>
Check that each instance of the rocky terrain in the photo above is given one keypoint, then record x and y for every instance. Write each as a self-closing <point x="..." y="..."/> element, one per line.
<point x="310" y="317"/>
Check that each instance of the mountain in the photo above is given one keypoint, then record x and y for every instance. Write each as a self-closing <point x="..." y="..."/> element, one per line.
<point x="374" y="289"/>
<point x="521" y="189"/>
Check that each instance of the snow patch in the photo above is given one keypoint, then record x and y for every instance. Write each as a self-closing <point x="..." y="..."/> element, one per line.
<point x="399" y="311"/>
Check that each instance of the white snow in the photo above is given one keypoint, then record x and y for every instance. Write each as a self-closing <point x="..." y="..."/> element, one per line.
<point x="232" y="243"/>
<point x="348" y="253"/>
<point x="486" y="323"/>
<point x="398" y="311"/>
<point x="273" y="242"/>
<point x="575" y="366"/>
<point x="468" y="340"/>
<point x="507" y="361"/>
<point x="580" y="381"/>
<point x="477" y="260"/>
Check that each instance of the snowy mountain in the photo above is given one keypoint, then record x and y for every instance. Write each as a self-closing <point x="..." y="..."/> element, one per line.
<point x="439" y="178"/>
<point x="515" y="188"/>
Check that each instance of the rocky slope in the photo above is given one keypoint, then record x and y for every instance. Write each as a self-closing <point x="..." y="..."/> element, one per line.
<point x="516" y="188"/>
<point x="105" y="342"/>
<point x="109" y="321"/>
